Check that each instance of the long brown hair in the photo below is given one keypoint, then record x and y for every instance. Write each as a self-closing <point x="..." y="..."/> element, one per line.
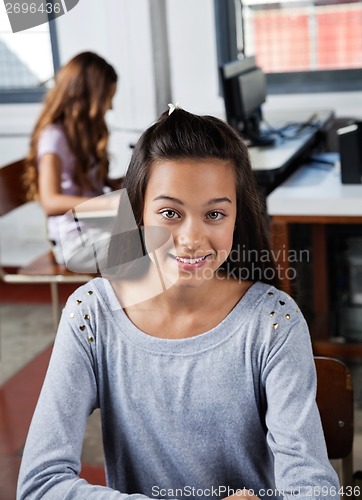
<point x="183" y="135"/>
<point x="77" y="103"/>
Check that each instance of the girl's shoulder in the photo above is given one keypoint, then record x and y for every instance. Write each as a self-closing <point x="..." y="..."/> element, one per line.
<point x="52" y="139"/>
<point x="88" y="309"/>
<point x="268" y="315"/>
<point x="52" y="134"/>
<point x="53" y="130"/>
<point x="275" y="306"/>
<point x="93" y="295"/>
<point x="276" y="319"/>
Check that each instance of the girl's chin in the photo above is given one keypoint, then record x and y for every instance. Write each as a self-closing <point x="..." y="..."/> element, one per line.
<point x="186" y="278"/>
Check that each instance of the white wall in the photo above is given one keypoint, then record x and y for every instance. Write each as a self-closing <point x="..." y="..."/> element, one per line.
<point x="16" y="123"/>
<point x="192" y="39"/>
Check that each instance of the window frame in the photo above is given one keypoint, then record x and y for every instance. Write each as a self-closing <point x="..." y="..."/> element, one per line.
<point x="33" y="94"/>
<point x="295" y="82"/>
<point x="337" y="80"/>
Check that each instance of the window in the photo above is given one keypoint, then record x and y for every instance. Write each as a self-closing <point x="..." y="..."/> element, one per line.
<point x="302" y="45"/>
<point x="27" y="61"/>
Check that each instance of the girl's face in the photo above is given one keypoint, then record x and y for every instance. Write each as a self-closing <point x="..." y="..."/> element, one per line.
<point x="196" y="201"/>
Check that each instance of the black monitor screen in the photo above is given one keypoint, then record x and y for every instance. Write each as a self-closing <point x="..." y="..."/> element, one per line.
<point x="252" y="89"/>
<point x="244" y="86"/>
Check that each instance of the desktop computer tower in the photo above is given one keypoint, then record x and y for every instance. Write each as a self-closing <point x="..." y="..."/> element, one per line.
<point x="350" y="149"/>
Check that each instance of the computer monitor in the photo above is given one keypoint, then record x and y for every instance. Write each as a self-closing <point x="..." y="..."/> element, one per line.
<point x="244" y="87"/>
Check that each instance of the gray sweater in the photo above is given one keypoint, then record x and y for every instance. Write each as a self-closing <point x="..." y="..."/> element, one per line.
<point x="198" y="417"/>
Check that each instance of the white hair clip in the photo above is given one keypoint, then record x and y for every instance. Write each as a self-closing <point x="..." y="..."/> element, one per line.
<point x="172" y="107"/>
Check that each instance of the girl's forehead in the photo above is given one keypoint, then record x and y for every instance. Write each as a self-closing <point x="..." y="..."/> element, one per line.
<point x="192" y="176"/>
<point x="206" y="167"/>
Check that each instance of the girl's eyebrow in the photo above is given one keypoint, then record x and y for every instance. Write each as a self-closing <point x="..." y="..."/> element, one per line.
<point x="168" y="198"/>
<point x="220" y="200"/>
<point x="211" y="202"/>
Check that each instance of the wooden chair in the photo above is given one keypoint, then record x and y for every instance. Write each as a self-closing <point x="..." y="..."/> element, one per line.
<point x="335" y="403"/>
<point x="44" y="269"/>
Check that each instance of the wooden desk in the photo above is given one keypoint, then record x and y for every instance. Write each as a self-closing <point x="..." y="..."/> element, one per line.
<point x="315" y="195"/>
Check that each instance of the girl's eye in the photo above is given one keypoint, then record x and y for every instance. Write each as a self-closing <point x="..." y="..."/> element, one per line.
<point x="215" y="215"/>
<point x="169" y="214"/>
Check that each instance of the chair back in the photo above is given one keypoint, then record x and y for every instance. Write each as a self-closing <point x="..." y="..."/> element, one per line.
<point x="13" y="192"/>
<point x="335" y="403"/>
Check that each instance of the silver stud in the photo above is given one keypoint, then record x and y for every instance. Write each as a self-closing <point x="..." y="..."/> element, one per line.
<point x="296" y="310"/>
<point x="272" y="313"/>
<point x="86" y="317"/>
<point x="270" y="294"/>
<point x="82" y="327"/>
<point x="275" y="326"/>
<point x="71" y="315"/>
<point x="287" y="316"/>
<point x="90" y="292"/>
<point x="91" y="339"/>
<point x="79" y="302"/>
<point x="340" y="423"/>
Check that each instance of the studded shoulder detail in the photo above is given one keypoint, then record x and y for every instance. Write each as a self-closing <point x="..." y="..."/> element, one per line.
<point x="84" y="318"/>
<point x="282" y="308"/>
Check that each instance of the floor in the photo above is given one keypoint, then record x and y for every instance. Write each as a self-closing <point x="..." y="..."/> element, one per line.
<point x="26" y="336"/>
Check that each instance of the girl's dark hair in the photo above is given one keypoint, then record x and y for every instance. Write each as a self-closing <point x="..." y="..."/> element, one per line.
<point x="182" y="135"/>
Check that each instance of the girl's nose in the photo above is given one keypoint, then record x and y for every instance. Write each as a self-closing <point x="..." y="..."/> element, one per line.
<point x="191" y="236"/>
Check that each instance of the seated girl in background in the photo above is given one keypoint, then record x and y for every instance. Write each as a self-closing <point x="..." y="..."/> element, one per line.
<point x="206" y="385"/>
<point x="68" y="159"/>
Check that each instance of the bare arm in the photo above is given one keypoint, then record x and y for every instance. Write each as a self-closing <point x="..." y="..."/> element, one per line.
<point x="51" y="197"/>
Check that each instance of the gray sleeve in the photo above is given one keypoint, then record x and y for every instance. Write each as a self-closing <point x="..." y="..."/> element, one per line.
<point x="295" y="433"/>
<point x="51" y="459"/>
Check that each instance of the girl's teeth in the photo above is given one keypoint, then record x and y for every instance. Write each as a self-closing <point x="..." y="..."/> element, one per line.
<point x="189" y="261"/>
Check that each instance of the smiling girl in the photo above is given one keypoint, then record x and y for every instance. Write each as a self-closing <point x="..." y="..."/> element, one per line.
<point x="206" y="383"/>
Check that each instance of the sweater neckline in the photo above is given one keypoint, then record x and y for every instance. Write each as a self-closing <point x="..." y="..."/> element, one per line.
<point x="236" y="318"/>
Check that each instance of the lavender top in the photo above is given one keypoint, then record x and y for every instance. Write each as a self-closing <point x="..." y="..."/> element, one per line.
<point x="53" y="140"/>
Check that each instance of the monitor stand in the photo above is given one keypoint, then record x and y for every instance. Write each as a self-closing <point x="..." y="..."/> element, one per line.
<point x="252" y="133"/>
